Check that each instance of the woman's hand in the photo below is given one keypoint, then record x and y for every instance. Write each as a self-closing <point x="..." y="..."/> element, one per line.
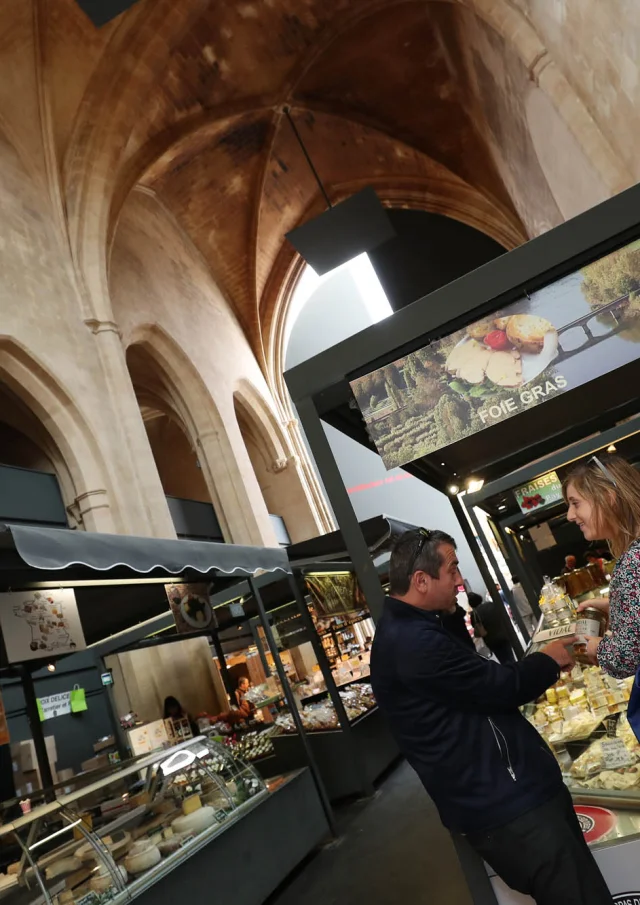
<point x="591" y="654"/>
<point x="598" y="603"/>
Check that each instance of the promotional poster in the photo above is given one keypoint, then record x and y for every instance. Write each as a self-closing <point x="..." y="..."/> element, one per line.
<point x="546" y="344"/>
<point x="40" y="623"/>
<point x="191" y="607"/>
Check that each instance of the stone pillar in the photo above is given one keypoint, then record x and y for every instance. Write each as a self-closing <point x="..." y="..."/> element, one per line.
<point x="139" y="505"/>
<point x="238" y="502"/>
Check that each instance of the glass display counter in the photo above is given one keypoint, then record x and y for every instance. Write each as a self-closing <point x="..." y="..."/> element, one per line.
<point x="583" y="719"/>
<point x="115" y="839"/>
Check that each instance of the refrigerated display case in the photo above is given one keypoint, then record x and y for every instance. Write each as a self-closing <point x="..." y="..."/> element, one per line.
<point x="187" y="816"/>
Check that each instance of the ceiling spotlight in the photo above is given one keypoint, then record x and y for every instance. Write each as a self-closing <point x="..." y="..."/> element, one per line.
<point x="612" y="448"/>
<point x="474" y="485"/>
<point x="51" y="667"/>
<point x="453" y="489"/>
<point x="501" y="508"/>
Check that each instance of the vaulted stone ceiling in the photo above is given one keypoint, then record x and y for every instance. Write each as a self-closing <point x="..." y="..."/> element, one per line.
<point x="185" y="98"/>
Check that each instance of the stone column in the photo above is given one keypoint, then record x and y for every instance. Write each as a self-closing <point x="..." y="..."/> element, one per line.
<point x="139" y="505"/>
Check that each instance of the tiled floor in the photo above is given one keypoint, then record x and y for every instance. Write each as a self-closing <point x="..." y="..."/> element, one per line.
<point x="392" y="851"/>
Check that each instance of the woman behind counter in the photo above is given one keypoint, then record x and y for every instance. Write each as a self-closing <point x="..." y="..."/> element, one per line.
<point x="603" y="496"/>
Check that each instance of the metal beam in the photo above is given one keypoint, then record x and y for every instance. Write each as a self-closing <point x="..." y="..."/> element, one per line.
<point x="530" y="266"/>
<point x="339" y="498"/>
<point x="497" y="599"/>
<point x="293" y="708"/>
<point x="555" y="460"/>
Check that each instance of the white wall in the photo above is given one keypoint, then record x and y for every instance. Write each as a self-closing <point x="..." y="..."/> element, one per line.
<point x="333" y="312"/>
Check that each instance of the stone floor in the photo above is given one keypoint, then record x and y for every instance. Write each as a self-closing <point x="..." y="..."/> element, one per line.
<point x="391" y="849"/>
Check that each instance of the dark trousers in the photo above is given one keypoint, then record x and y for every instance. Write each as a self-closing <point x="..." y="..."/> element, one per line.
<point x="502" y="650"/>
<point x="543" y="854"/>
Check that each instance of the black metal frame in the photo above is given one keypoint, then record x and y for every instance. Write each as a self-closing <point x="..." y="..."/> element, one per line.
<point x="321" y="384"/>
<point x="558" y="459"/>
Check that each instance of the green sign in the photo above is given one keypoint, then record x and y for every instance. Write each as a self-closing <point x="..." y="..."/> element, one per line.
<point x="538" y="494"/>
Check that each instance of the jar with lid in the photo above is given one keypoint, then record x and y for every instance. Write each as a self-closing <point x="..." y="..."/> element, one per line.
<point x="564" y="610"/>
<point x="592" y="623"/>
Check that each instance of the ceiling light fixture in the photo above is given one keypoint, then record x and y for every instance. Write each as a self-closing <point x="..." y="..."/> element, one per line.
<point x="51" y="667"/>
<point x="612" y="448"/>
<point x="474" y="485"/>
<point x="453" y="489"/>
<point x="345" y="230"/>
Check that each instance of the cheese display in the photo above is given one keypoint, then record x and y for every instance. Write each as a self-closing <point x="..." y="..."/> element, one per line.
<point x="357" y="699"/>
<point x="189" y="791"/>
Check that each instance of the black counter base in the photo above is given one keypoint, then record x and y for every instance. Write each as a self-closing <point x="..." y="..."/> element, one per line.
<point x="251" y="858"/>
<point x="349" y="763"/>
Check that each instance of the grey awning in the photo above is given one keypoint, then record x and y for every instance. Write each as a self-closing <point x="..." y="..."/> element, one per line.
<point x="379" y="533"/>
<point x="57" y="549"/>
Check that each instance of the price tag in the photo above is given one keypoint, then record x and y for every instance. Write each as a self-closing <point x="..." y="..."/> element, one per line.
<point x="615" y="754"/>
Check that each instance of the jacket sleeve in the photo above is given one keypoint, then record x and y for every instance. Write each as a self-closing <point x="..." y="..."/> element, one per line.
<point x="445" y="672"/>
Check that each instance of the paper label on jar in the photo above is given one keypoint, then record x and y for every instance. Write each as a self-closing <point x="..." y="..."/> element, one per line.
<point x="588" y="628"/>
<point x="615" y="754"/>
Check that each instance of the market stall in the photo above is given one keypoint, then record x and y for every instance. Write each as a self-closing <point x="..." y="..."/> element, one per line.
<point x="510" y="373"/>
<point x="112" y="832"/>
<point x="321" y="633"/>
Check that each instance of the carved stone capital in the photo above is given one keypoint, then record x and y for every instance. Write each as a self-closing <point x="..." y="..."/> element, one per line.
<point x="87" y="502"/>
<point x="97" y="326"/>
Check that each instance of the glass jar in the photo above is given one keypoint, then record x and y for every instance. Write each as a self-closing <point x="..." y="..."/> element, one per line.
<point x="592" y="623"/>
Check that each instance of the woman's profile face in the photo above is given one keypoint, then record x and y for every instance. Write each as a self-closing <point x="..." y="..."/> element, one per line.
<point x="582" y="513"/>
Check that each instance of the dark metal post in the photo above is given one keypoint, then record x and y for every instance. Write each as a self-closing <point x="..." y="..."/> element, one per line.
<point x="116" y="727"/>
<point x="319" y="651"/>
<point x="473" y="543"/>
<point x="253" y="624"/>
<point x="293" y="707"/>
<point x="222" y="665"/>
<point x="31" y="707"/>
<point x="344" y="511"/>
<point x="521" y="570"/>
<point x="513" y="638"/>
<point x="475" y="872"/>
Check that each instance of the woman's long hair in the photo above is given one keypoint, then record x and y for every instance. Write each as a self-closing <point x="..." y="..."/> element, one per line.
<point x="613" y="489"/>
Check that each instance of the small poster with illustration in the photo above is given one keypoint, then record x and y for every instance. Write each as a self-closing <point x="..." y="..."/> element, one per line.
<point x="191" y="607"/>
<point x="38" y="624"/>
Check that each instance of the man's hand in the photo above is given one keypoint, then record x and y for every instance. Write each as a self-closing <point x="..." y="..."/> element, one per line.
<point x="598" y="603"/>
<point x="561" y="651"/>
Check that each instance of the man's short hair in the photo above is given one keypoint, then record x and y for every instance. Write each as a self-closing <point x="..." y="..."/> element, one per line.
<point x="404" y="561"/>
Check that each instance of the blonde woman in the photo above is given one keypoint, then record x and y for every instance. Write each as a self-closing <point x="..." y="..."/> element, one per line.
<point x="603" y="496"/>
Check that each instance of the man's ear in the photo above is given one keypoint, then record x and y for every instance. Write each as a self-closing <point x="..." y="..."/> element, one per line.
<point x="421" y="581"/>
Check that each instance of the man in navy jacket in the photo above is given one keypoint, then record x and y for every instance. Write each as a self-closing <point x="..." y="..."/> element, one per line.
<point x="456" y="719"/>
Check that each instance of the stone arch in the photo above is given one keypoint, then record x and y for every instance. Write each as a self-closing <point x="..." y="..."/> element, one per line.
<point x="277" y="468"/>
<point x="184" y="396"/>
<point x="56" y="424"/>
<point x="513" y="26"/>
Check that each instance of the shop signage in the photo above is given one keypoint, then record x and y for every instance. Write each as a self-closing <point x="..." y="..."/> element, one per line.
<point x="191" y="607"/>
<point x="54" y="705"/>
<point x="38" y="624"/>
<point x="550" y="634"/>
<point x="541" y="346"/>
<point x="538" y="494"/>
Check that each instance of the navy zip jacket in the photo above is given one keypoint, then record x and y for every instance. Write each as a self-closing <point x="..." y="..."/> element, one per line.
<point x="455" y="718"/>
